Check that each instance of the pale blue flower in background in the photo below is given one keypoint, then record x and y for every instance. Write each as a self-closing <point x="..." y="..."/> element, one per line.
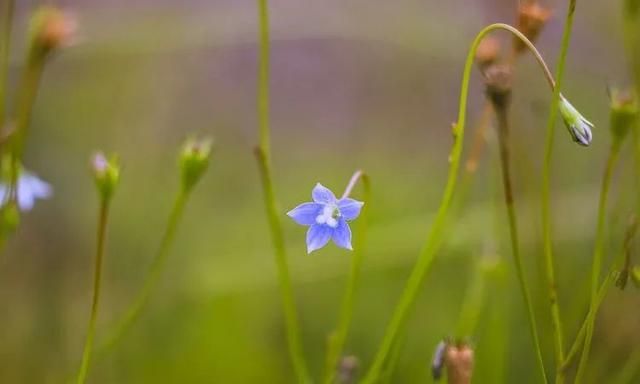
<point x="30" y="188"/>
<point x="327" y="218"/>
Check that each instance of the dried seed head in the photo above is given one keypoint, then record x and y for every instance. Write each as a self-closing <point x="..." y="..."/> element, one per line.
<point x="51" y="29"/>
<point x="498" y="81"/>
<point x="487" y="52"/>
<point x="532" y="17"/>
<point x="348" y="369"/>
<point x="459" y="362"/>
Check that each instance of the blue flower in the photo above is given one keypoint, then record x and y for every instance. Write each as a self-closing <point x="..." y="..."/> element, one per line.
<point x="327" y="218"/>
<point x="29" y="189"/>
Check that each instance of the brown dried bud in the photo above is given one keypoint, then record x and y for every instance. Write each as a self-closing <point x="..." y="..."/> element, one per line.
<point x="51" y="29"/>
<point x="531" y="19"/>
<point x="487" y="52"/>
<point x="459" y="362"/>
<point x="347" y="370"/>
<point x="498" y="80"/>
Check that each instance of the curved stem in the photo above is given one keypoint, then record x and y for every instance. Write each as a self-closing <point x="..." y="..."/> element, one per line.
<point x="153" y="275"/>
<point x="435" y="235"/>
<point x="263" y="155"/>
<point x="337" y="340"/>
<point x="546" y="197"/>
<point x="102" y="229"/>
<point x="598" y="254"/>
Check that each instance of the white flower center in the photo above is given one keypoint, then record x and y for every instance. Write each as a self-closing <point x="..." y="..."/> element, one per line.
<point x="329" y="216"/>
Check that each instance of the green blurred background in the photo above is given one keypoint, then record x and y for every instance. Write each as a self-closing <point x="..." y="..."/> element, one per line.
<point x="356" y="84"/>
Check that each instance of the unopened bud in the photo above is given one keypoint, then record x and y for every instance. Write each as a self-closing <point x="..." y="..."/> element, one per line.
<point x="579" y="128"/>
<point x="624" y="113"/>
<point x="106" y="174"/>
<point x="194" y="160"/>
<point x="51" y="28"/>
<point x="348" y="369"/>
<point x="487" y="52"/>
<point x="459" y="362"/>
<point x="532" y="17"/>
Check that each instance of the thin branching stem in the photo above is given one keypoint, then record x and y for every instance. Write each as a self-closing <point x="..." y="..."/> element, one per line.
<point x="263" y="156"/>
<point x="433" y="240"/>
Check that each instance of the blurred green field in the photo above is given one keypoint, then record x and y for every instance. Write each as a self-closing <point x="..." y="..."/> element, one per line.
<point x="355" y="85"/>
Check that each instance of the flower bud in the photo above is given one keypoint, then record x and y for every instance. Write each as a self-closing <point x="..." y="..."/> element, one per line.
<point x="194" y="160"/>
<point x="51" y="28"/>
<point x="348" y="369"/>
<point x="106" y="173"/>
<point x="437" y="362"/>
<point x="579" y="128"/>
<point x="624" y="113"/>
<point x="487" y="52"/>
<point x="459" y="362"/>
<point x="531" y="19"/>
<point x="498" y="80"/>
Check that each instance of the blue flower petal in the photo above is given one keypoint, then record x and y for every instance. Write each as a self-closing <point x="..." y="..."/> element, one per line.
<point x="322" y="194"/>
<point x="350" y="208"/>
<point x="26" y="199"/>
<point x="39" y="188"/>
<point x="342" y="235"/>
<point x="318" y="236"/>
<point x="306" y="213"/>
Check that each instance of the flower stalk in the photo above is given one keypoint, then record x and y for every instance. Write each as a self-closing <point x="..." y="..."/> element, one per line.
<point x="433" y="240"/>
<point x="106" y="175"/>
<point x="338" y="338"/>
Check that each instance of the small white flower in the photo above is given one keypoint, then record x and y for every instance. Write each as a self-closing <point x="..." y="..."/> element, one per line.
<point x="30" y="188"/>
<point x="578" y="126"/>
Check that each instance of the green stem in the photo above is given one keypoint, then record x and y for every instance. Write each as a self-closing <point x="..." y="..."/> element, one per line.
<point x="337" y="340"/>
<point x="598" y="254"/>
<point x="503" y="137"/>
<point x="473" y="301"/>
<point x="5" y="48"/>
<point x="100" y="247"/>
<point x="546" y="197"/>
<point x="575" y="347"/>
<point x="263" y="155"/>
<point x="25" y="99"/>
<point x="426" y="256"/>
<point x="153" y="275"/>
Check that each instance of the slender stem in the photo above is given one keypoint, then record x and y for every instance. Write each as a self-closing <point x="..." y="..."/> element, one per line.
<point x="5" y="49"/>
<point x="503" y="140"/>
<point x="25" y="99"/>
<point x="546" y="197"/>
<point x="100" y="246"/>
<point x="575" y="347"/>
<point x="598" y="254"/>
<point x="473" y="301"/>
<point x="337" y="340"/>
<point x="153" y="275"/>
<point x="263" y="155"/>
<point x="433" y="240"/>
